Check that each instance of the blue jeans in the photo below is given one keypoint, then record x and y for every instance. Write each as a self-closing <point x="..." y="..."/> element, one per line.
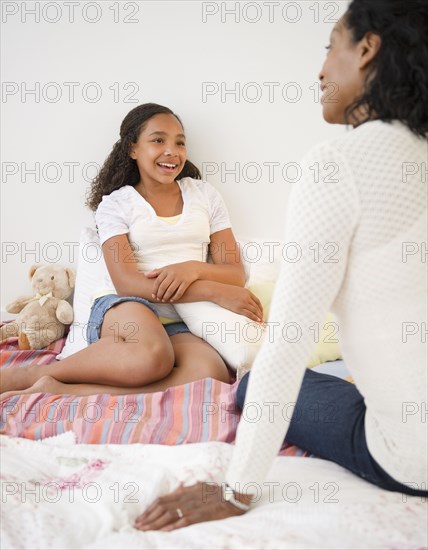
<point x="328" y="421"/>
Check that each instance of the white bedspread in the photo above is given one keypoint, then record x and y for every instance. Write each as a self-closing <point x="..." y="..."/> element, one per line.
<point x="60" y="495"/>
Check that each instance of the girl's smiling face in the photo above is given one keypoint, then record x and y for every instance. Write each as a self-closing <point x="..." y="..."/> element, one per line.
<point x="160" y="151"/>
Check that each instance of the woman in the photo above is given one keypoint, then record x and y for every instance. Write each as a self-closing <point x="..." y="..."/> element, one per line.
<point x="368" y="209"/>
<point x="155" y="217"/>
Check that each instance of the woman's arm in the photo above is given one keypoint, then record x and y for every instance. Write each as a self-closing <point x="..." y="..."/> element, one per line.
<point x="321" y="220"/>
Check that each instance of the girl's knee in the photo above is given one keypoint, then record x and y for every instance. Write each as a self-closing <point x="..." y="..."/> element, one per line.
<point x="149" y="363"/>
<point x="158" y="361"/>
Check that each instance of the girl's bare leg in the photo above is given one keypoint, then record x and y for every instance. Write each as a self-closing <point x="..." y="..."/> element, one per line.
<point x="194" y="359"/>
<point x="133" y="350"/>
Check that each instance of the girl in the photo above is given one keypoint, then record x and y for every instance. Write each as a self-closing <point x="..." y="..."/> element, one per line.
<point x="155" y="218"/>
<point x="374" y="212"/>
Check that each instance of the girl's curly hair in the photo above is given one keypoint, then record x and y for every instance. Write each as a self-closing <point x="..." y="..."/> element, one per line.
<point x="396" y="85"/>
<point x="120" y="169"/>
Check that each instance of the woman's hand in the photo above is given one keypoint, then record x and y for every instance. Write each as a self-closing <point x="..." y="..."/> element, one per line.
<point x="172" y="281"/>
<point x="240" y="300"/>
<point x="185" y="506"/>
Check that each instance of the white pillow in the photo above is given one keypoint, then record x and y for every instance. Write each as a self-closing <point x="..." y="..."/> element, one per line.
<point x="262" y="258"/>
<point x="92" y="275"/>
<point x="234" y="336"/>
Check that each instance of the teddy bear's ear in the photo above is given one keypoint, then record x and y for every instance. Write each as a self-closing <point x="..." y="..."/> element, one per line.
<point x="33" y="269"/>
<point x="71" y="277"/>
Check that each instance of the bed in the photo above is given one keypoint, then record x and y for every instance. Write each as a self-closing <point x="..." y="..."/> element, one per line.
<point x="76" y="471"/>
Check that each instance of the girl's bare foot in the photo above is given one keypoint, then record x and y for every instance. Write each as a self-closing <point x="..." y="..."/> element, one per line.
<point x="45" y="384"/>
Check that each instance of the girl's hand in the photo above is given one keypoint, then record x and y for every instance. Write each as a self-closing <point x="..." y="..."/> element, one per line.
<point x="240" y="300"/>
<point x="172" y="281"/>
<point x="185" y="506"/>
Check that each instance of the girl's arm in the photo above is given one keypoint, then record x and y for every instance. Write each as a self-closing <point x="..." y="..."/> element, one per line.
<point x="172" y="280"/>
<point x="128" y="281"/>
<point x="227" y="267"/>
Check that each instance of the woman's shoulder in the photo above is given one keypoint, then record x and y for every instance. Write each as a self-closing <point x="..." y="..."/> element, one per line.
<point x="369" y="136"/>
<point x="354" y="141"/>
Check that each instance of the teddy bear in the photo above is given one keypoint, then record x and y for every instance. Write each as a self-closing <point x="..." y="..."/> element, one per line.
<point x="43" y="316"/>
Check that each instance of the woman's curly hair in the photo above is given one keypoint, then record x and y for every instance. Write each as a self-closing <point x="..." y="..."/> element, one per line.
<point x="120" y="169"/>
<point x="396" y="86"/>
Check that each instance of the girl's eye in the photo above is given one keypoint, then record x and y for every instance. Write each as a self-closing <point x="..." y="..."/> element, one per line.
<point x="157" y="140"/>
<point x="328" y="47"/>
<point x="181" y="143"/>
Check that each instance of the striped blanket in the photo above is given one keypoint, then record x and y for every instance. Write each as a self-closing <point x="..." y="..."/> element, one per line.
<point x="192" y="413"/>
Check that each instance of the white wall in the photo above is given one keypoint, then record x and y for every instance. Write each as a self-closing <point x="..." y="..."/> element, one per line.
<point x="166" y="56"/>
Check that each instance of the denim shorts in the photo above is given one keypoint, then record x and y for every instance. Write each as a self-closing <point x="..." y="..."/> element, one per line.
<point x="102" y="304"/>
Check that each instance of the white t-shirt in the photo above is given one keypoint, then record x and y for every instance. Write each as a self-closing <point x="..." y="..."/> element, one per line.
<point x="359" y="218"/>
<point x="156" y="242"/>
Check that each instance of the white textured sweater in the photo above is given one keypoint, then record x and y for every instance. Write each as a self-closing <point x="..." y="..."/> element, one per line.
<point x="363" y="199"/>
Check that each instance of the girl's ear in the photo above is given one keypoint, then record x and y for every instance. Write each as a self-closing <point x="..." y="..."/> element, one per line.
<point x="132" y="152"/>
<point x="369" y="47"/>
